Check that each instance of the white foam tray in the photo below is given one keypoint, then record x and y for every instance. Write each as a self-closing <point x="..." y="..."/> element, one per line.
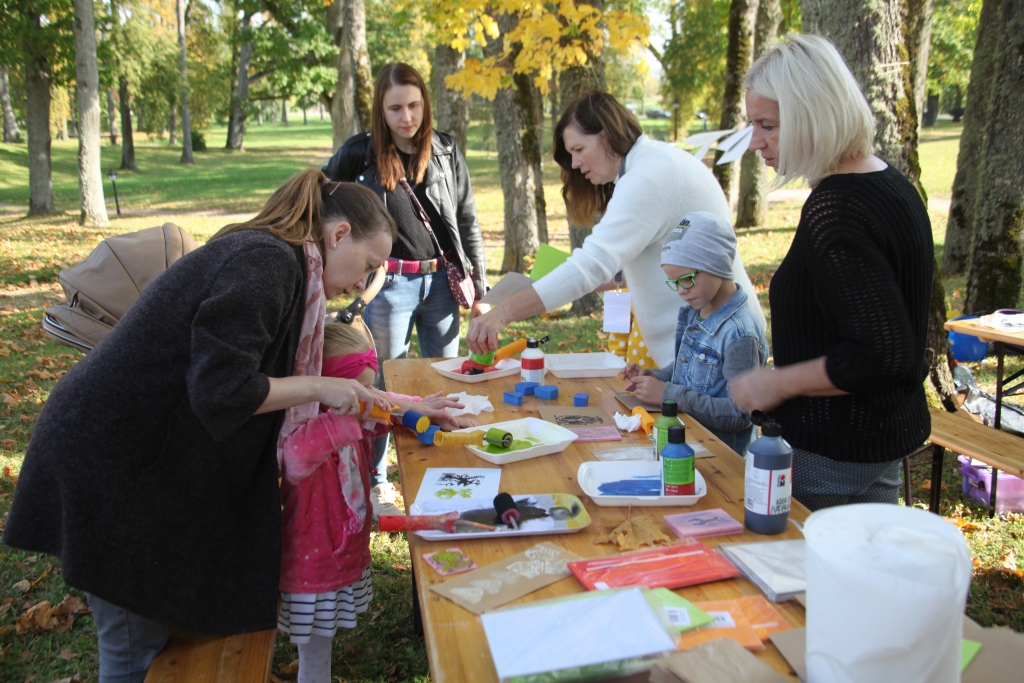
<point x="554" y="439"/>
<point x="572" y="365"/>
<point x="452" y="369"/>
<point x="592" y="474"/>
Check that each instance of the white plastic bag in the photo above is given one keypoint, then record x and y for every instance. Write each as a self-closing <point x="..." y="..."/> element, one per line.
<point x="886" y="589"/>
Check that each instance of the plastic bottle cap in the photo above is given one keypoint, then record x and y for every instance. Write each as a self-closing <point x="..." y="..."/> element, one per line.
<point x="677" y="434"/>
<point x="771" y="428"/>
<point x="532" y="344"/>
<point x="669" y="408"/>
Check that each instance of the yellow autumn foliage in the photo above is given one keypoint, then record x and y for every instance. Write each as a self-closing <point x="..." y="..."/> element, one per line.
<point x="548" y="36"/>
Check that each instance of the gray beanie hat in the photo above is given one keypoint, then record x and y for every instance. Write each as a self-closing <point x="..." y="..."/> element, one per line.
<point x="702" y="241"/>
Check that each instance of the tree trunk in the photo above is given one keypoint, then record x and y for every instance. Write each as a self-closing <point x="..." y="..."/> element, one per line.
<point x="515" y="134"/>
<point x="62" y="132"/>
<point x="127" y="140"/>
<point x="11" y="132"/>
<point x="172" y="126"/>
<point x="994" y="278"/>
<point x="957" y="247"/>
<point x="451" y="112"/>
<point x="90" y="174"/>
<point x="359" y="57"/>
<point x="752" y="207"/>
<point x="742" y="19"/>
<point x="111" y="117"/>
<point x="871" y="36"/>
<point x="38" y="79"/>
<point x="919" y="41"/>
<point x="534" y="148"/>
<point x="931" y="111"/>
<point x="284" y="111"/>
<point x="186" y="122"/>
<point x="572" y="83"/>
<point x="353" y="91"/>
<point x="236" y="126"/>
<point x="304" y="121"/>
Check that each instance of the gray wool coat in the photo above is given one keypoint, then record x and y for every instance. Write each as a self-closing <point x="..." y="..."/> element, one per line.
<point x="148" y="474"/>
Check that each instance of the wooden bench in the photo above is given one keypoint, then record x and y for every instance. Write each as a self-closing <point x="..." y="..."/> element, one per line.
<point x="961" y="434"/>
<point x="194" y="658"/>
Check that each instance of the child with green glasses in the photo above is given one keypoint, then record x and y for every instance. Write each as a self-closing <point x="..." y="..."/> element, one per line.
<point x="717" y="335"/>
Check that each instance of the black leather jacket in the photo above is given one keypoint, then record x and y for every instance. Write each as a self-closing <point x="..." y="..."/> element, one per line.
<point x="448" y="190"/>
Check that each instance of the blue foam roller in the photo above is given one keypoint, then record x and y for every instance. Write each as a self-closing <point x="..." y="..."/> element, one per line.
<point x="410" y="418"/>
<point x="580" y="400"/>
<point x="427" y="437"/>
<point x="514" y="397"/>
<point x="547" y="392"/>
<point x="526" y="388"/>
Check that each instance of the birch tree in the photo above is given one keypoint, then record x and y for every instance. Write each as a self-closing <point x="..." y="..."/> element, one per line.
<point x="11" y="132"/>
<point x="186" y="123"/>
<point x="90" y="175"/>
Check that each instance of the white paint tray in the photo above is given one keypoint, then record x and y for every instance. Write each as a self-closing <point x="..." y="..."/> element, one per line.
<point x="452" y="369"/>
<point x="571" y="365"/>
<point x="554" y="439"/>
<point x="592" y="475"/>
<point x="565" y="515"/>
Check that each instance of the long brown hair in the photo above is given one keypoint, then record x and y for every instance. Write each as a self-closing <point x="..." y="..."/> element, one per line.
<point x="593" y="113"/>
<point x="298" y="210"/>
<point x="389" y="163"/>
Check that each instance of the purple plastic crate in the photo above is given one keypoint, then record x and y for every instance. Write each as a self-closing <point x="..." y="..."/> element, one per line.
<point x="977" y="483"/>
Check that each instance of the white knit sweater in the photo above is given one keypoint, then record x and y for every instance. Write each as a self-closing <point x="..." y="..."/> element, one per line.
<point x="658" y="186"/>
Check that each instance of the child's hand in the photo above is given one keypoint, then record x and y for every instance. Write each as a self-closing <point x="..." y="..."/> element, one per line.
<point x="649" y="389"/>
<point x="438" y="400"/>
<point x="633" y="370"/>
<point x="465" y="421"/>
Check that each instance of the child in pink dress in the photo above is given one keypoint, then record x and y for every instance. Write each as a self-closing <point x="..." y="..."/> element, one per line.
<point x="325" y="493"/>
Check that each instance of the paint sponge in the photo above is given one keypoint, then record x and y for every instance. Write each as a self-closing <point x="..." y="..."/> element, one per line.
<point x="581" y="400"/>
<point x="526" y="388"/>
<point x="514" y="398"/>
<point x="548" y="392"/>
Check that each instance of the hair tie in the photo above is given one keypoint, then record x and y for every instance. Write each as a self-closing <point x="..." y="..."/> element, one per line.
<point x="325" y="182"/>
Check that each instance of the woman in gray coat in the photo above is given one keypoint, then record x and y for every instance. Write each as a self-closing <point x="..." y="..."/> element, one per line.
<point x="152" y="473"/>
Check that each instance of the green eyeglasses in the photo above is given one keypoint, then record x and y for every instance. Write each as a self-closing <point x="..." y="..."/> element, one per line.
<point x="682" y="282"/>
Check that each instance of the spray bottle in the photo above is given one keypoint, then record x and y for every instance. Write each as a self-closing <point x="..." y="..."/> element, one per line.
<point x="768" y="478"/>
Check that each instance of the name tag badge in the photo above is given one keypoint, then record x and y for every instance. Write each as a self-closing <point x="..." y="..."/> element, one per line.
<point x="616" y="312"/>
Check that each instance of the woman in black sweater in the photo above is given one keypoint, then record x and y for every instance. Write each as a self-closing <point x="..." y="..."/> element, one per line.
<point x="850" y="300"/>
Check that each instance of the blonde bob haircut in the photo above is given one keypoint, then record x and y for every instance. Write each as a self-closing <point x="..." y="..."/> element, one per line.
<point x="824" y="118"/>
<point x="341" y="339"/>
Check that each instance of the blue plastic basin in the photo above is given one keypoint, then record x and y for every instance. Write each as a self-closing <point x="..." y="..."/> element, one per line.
<point x="966" y="347"/>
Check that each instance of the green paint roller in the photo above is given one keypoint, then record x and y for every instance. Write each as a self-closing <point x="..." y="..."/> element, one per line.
<point x="480" y="361"/>
<point x="492" y="437"/>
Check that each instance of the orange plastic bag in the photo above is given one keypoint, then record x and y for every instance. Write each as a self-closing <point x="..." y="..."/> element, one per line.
<point x="729" y="622"/>
<point x="765" y="619"/>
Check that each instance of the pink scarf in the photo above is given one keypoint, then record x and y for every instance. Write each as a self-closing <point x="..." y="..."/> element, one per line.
<point x="351" y="365"/>
<point x="309" y="355"/>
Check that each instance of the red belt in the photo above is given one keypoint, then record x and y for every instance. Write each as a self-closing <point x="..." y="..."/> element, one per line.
<point x="394" y="265"/>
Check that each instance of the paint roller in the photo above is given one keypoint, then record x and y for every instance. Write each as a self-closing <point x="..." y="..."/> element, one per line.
<point x="646" y="421"/>
<point x="409" y="419"/>
<point x="484" y="362"/>
<point x="506" y="508"/>
<point x="492" y="437"/>
<point x="448" y="522"/>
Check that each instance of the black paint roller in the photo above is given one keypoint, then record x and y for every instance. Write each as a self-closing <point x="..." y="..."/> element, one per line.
<point x="506" y="508"/>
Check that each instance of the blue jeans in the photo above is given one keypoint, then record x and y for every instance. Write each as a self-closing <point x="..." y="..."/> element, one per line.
<point x="127" y="642"/>
<point x="425" y="301"/>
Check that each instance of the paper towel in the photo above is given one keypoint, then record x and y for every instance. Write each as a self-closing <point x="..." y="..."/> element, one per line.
<point x="472" y="404"/>
<point x="886" y="589"/>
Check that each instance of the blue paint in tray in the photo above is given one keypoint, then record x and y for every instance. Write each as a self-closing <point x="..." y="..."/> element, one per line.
<point x="649" y="485"/>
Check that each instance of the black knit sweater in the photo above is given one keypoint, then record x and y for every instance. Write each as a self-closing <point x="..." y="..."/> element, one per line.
<point x="855" y="287"/>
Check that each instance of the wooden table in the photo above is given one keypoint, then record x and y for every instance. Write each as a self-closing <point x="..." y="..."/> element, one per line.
<point x="1000" y="341"/>
<point x="456" y="646"/>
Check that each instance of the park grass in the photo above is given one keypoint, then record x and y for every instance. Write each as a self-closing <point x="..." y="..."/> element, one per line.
<point x="384" y="647"/>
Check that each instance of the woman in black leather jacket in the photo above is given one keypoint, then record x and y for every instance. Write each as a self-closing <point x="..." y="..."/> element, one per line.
<point x="416" y="292"/>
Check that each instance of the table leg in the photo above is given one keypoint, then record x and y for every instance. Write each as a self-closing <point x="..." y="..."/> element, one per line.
<point x="997" y="423"/>
<point x="906" y="483"/>
<point x="417" y="616"/>
<point x="938" y="452"/>
<point x="992" y="493"/>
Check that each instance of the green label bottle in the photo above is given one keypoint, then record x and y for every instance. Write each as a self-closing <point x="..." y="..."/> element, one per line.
<point x="669" y="417"/>
<point x="677" y="477"/>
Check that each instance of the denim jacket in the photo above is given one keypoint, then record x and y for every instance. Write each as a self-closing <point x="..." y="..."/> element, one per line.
<point x="708" y="354"/>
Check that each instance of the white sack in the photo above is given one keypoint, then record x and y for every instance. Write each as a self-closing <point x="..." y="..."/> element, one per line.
<point x="886" y="589"/>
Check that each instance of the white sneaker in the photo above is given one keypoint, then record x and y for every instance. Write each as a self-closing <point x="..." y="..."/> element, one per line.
<point x="383" y="498"/>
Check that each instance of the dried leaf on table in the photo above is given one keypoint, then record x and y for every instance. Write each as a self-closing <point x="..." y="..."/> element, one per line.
<point x="636" y="532"/>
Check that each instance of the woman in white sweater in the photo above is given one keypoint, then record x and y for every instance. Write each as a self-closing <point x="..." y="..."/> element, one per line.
<point x="641" y="189"/>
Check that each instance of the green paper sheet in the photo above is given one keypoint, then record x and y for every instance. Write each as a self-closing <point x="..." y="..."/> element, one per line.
<point x="666" y="599"/>
<point x="968" y="653"/>
<point x="548" y="258"/>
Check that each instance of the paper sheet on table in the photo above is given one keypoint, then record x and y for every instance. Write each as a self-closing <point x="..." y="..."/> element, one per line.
<point x="681" y="613"/>
<point x="719" y="661"/>
<point x="508" y="286"/>
<point x="602" y="627"/>
<point x="548" y="258"/>
<point x="776" y="567"/>
<point x="456" y="488"/>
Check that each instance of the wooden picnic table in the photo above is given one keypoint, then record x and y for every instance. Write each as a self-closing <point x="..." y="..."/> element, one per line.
<point x="1000" y="341"/>
<point x="456" y="645"/>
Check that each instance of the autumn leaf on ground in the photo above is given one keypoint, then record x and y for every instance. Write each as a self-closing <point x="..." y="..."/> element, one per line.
<point x="72" y="605"/>
<point x="68" y="655"/>
<point x="636" y="532"/>
<point x="39" y="617"/>
<point x="24" y="586"/>
<point x="72" y="679"/>
<point x="288" y="669"/>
